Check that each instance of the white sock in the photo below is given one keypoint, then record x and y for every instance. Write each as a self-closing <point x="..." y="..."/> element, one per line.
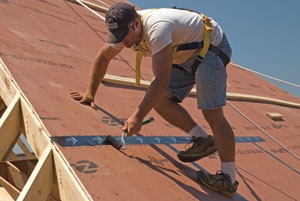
<point x="198" y="132"/>
<point x="229" y="168"/>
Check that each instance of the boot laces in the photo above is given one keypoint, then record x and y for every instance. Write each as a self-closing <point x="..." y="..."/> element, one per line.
<point x="219" y="175"/>
<point x="191" y="143"/>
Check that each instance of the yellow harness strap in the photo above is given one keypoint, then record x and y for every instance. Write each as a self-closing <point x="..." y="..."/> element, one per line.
<point x="206" y="36"/>
<point x="138" y="61"/>
<point x="139" y="55"/>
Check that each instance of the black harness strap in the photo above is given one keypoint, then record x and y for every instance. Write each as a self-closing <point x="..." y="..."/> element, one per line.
<point x="197" y="45"/>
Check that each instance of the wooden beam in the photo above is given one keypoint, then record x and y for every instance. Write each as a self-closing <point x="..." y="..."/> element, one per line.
<point x="125" y="81"/>
<point x="103" y="4"/>
<point x="69" y="185"/>
<point x="13" y="191"/>
<point x="24" y="148"/>
<point x="26" y="166"/>
<point x="2" y="107"/>
<point x="91" y="5"/>
<point x="4" y="91"/>
<point x="4" y="195"/>
<point x="41" y="181"/>
<point x="16" y="176"/>
<point x="7" y="89"/>
<point x="275" y="116"/>
<point x="10" y="124"/>
<point x="33" y="129"/>
<point x="262" y="99"/>
<point x="12" y="156"/>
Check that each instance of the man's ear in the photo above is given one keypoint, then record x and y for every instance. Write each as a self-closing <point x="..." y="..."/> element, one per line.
<point x="136" y="22"/>
<point x="133" y="27"/>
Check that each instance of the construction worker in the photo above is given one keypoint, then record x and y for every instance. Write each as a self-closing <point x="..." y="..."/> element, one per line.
<point x="181" y="57"/>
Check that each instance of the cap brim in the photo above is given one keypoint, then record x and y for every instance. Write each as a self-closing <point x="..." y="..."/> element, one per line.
<point x="116" y="37"/>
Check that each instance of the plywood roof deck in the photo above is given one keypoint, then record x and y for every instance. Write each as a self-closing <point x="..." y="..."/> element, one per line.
<point x="46" y="50"/>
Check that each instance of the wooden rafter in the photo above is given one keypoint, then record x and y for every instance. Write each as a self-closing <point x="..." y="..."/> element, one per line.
<point x="10" y="124"/>
<point x="20" y="117"/>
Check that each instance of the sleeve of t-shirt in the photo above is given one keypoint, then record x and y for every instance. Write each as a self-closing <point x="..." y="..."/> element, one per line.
<point x="160" y="36"/>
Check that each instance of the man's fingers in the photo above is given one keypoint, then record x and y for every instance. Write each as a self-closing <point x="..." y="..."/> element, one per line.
<point x="76" y="96"/>
<point x="73" y="92"/>
<point x="83" y="100"/>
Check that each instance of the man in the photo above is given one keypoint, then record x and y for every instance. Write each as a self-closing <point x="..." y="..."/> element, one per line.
<point x="158" y="33"/>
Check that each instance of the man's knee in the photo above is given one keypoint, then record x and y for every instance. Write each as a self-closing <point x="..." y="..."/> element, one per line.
<point x="167" y="96"/>
<point x="212" y="115"/>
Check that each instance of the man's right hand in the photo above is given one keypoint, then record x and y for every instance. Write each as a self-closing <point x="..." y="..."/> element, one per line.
<point x="81" y="98"/>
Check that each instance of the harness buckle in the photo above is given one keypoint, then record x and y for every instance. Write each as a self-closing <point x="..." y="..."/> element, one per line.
<point x="199" y="58"/>
<point x="175" y="49"/>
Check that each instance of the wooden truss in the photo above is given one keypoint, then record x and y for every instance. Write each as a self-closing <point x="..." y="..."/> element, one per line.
<point x="44" y="173"/>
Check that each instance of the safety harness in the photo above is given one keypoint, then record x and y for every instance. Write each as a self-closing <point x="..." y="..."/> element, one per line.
<point x="204" y="47"/>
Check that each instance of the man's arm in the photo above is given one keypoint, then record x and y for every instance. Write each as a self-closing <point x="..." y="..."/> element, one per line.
<point x="99" y="68"/>
<point x="161" y="64"/>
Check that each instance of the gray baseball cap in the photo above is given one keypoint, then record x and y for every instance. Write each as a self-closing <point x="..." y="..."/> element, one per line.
<point x="118" y="20"/>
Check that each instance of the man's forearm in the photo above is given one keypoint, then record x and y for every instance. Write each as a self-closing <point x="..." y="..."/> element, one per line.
<point x="152" y="96"/>
<point x="98" y="71"/>
<point x="103" y="57"/>
<point x="161" y="64"/>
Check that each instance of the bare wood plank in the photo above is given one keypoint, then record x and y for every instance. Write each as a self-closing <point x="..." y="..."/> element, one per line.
<point x="91" y="5"/>
<point x="2" y="107"/>
<point x="13" y="191"/>
<point x="17" y="178"/>
<point x="30" y="166"/>
<point x="7" y="89"/>
<point x="3" y="169"/>
<point x="4" y="195"/>
<point x="12" y="156"/>
<point x="5" y="92"/>
<point x="33" y="130"/>
<point x="125" y="81"/>
<point x="41" y="181"/>
<point x="262" y="99"/>
<point x="274" y="116"/>
<point x="10" y="124"/>
<point x="24" y="148"/>
<point x="70" y="187"/>
<point x="103" y="4"/>
<point x="119" y="80"/>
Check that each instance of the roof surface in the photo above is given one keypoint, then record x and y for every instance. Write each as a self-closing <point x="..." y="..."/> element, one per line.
<point x="49" y="47"/>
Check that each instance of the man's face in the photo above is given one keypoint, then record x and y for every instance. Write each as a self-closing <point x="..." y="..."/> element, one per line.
<point x="132" y="36"/>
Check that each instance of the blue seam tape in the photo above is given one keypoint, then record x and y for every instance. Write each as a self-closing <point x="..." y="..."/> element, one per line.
<point x="69" y="141"/>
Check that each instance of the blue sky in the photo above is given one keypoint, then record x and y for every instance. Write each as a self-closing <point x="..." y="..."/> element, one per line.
<point x="264" y="35"/>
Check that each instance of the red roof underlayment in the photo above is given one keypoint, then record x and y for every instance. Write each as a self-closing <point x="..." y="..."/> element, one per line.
<point x="49" y="46"/>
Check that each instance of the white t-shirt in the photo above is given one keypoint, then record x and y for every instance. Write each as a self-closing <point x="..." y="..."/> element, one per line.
<point x="166" y="25"/>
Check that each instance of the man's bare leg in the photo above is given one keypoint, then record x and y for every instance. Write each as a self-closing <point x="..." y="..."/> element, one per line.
<point x="223" y="134"/>
<point x="174" y="113"/>
<point x="224" y="138"/>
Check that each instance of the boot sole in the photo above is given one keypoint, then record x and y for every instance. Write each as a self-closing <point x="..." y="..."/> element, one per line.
<point x="189" y="159"/>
